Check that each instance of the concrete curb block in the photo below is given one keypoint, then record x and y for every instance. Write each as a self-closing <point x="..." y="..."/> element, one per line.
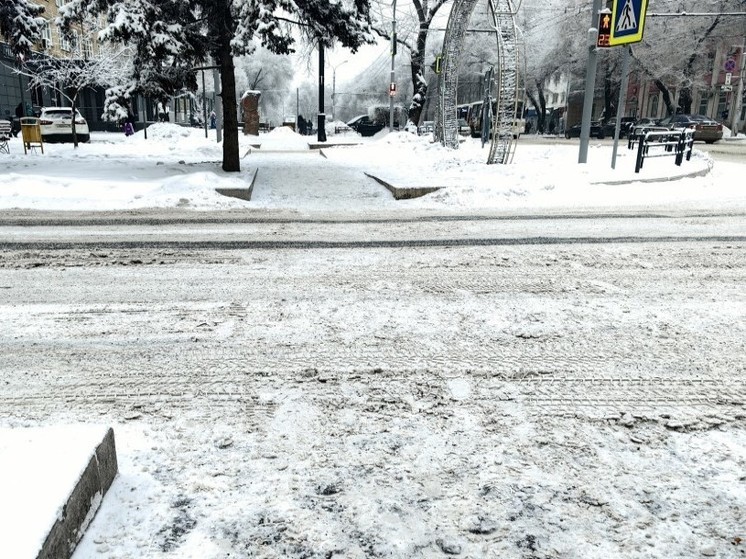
<point x="332" y="145"/>
<point x="83" y="502"/>
<point x="241" y="193"/>
<point x="693" y="174"/>
<point x="405" y="193"/>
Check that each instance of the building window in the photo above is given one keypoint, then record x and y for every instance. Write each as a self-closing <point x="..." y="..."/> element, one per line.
<point x="87" y="47"/>
<point x="69" y="44"/>
<point x="46" y="36"/>
<point x="722" y="106"/>
<point x="653" y="106"/>
<point x="703" y="102"/>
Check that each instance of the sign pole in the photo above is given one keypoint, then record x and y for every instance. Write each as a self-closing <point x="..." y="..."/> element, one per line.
<point x="590" y="85"/>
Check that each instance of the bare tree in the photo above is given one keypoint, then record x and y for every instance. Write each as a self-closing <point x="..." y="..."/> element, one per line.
<point x="685" y="67"/>
<point x="413" y="24"/>
<point x="270" y="73"/>
<point x="70" y="76"/>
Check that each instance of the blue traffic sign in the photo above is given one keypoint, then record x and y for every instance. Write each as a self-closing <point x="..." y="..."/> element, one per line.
<point x="627" y="21"/>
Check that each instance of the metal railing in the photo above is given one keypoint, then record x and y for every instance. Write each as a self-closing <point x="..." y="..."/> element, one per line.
<point x="661" y="143"/>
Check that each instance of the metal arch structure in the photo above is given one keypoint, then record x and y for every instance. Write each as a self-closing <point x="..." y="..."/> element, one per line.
<point x="505" y="86"/>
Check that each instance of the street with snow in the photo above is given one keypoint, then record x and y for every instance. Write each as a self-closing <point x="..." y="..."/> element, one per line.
<point x="539" y="360"/>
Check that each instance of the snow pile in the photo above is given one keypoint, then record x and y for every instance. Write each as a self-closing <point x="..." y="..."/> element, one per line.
<point x="177" y="166"/>
<point x="283" y="138"/>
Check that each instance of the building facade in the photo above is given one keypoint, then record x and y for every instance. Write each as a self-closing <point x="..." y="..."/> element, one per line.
<point x="716" y="96"/>
<point x="14" y="87"/>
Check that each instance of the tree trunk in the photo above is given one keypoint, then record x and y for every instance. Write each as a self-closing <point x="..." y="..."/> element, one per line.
<point x="670" y="109"/>
<point x="540" y="104"/>
<point x="419" y="83"/>
<point x="231" y="154"/>
<point x="685" y="100"/>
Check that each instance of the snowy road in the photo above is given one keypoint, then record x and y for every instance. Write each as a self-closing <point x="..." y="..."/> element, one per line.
<point x="583" y="396"/>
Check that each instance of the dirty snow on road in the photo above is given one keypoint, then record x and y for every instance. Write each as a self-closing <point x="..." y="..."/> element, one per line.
<point x="577" y="397"/>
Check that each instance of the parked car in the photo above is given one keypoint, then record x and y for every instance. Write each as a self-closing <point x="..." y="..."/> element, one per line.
<point x="364" y="126"/>
<point x="56" y="125"/>
<point x="646" y="122"/>
<point x="705" y="129"/>
<point x="597" y="130"/>
<point x="625" y="123"/>
<point x="643" y="125"/>
<point x="427" y="127"/>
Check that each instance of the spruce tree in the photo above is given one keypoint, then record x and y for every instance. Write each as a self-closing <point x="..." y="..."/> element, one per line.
<point x="20" y="24"/>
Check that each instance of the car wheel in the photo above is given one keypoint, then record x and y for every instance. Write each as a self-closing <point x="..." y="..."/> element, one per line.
<point x="567" y="135"/>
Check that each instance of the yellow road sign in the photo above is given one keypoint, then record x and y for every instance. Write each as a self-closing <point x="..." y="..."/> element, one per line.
<point x="627" y="21"/>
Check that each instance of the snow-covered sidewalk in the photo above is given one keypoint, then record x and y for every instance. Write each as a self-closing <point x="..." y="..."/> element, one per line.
<point x="178" y="167"/>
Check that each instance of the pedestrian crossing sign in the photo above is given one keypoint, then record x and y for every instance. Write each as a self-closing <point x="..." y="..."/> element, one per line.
<point x="627" y="21"/>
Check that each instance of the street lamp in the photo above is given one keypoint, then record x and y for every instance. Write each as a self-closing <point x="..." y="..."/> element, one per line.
<point x="334" y="85"/>
<point x="392" y="83"/>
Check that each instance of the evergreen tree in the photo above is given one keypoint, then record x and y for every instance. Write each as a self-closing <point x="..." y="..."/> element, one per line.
<point x="20" y="25"/>
<point x="172" y="37"/>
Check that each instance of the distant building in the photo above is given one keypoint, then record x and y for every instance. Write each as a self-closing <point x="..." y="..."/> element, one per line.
<point x="14" y="88"/>
<point x="716" y="99"/>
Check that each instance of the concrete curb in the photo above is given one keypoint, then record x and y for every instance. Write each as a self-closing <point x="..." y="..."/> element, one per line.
<point x="693" y="174"/>
<point x="332" y="145"/>
<point x="405" y="193"/>
<point x="83" y="502"/>
<point x="241" y="193"/>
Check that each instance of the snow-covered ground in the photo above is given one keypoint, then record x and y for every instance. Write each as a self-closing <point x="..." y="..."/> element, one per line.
<point x="428" y="472"/>
<point x="179" y="167"/>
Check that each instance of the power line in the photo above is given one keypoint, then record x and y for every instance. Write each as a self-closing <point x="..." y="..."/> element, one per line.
<point x="695" y="14"/>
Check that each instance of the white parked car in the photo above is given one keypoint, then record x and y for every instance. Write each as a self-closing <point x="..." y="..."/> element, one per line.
<point x="56" y="125"/>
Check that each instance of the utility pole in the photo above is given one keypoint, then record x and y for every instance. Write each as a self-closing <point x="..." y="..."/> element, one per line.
<point x="392" y="85"/>
<point x="321" y="132"/>
<point x="590" y="84"/>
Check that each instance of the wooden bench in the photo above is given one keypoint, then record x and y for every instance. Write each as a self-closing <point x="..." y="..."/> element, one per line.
<point x="6" y="131"/>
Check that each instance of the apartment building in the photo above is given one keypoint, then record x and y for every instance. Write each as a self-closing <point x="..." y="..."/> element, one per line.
<point x="14" y="88"/>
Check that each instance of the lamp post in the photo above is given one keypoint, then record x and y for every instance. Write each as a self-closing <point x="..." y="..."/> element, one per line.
<point x="392" y="85"/>
<point x="334" y="86"/>
<point x="321" y="130"/>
